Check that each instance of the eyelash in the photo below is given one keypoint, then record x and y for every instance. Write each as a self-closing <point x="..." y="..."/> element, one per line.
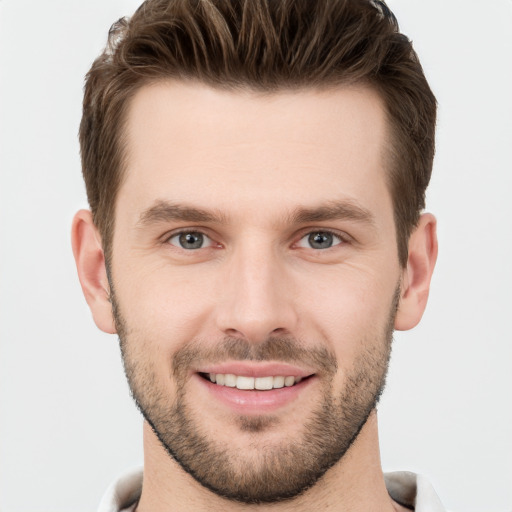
<point x="188" y="231"/>
<point x="343" y="237"/>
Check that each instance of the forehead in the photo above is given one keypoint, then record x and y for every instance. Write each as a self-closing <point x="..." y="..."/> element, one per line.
<point x="190" y="143"/>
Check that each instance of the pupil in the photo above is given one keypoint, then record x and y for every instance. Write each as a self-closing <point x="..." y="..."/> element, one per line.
<point x="320" y="240"/>
<point x="191" y="240"/>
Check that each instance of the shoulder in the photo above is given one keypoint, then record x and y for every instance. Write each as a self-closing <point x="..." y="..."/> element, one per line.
<point x="413" y="491"/>
<point x="123" y="493"/>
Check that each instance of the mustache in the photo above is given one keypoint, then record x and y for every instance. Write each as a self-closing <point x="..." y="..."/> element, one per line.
<point x="283" y="349"/>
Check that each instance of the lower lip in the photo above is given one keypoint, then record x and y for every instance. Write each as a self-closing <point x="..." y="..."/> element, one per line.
<point x="255" y="401"/>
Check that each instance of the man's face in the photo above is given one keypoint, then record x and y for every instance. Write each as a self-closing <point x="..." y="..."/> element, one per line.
<point x="255" y="246"/>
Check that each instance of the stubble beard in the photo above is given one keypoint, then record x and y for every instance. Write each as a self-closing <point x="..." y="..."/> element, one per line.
<point x="278" y="471"/>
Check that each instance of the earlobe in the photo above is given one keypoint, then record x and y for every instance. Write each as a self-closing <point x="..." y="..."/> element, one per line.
<point x="416" y="277"/>
<point x="90" y="264"/>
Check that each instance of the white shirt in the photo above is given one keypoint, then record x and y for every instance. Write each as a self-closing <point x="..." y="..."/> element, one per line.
<point x="407" y="489"/>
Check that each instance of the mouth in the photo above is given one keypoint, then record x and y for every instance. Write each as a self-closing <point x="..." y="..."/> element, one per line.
<point x="253" y="388"/>
<point x="247" y="383"/>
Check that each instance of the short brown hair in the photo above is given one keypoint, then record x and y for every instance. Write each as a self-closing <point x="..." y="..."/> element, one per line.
<point x="263" y="45"/>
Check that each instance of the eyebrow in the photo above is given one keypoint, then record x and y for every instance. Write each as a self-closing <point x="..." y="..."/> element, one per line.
<point x="164" y="211"/>
<point x="333" y="210"/>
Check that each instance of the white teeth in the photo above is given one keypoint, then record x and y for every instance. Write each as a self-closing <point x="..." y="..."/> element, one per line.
<point x="278" y="382"/>
<point x="289" y="381"/>
<point x="264" y="382"/>
<point x="230" y="380"/>
<point x="245" y="383"/>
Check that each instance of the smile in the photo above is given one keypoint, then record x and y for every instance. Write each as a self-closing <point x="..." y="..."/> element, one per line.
<point x="248" y="383"/>
<point x="254" y="389"/>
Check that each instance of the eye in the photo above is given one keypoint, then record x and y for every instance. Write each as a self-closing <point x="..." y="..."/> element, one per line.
<point x="190" y="240"/>
<point x="320" y="240"/>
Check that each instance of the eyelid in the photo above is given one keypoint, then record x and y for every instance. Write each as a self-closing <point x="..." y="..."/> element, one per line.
<point x="166" y="239"/>
<point x="344" y="237"/>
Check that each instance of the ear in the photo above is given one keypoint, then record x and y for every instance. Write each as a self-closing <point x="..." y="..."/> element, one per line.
<point x="417" y="274"/>
<point x="90" y="263"/>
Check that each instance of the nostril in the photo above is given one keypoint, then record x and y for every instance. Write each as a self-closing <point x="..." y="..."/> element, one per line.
<point x="234" y="333"/>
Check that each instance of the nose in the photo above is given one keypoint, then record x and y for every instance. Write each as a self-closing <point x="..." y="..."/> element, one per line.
<point x="257" y="296"/>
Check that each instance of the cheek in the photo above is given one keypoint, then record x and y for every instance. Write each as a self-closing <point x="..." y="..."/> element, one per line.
<point x="349" y="309"/>
<point x="165" y="303"/>
<point x="158" y="321"/>
<point x="338" y="305"/>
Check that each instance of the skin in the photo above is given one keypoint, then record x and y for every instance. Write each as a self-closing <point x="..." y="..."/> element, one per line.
<point x="252" y="161"/>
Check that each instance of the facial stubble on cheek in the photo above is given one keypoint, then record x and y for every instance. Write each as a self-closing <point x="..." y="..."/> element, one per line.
<point x="273" y="472"/>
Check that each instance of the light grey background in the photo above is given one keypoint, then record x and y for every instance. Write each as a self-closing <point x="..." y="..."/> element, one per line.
<point x="67" y="424"/>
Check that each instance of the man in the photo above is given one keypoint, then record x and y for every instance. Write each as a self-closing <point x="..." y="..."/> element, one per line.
<point x="256" y="173"/>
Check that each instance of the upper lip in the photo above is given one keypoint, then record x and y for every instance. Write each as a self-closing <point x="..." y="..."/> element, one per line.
<point x="256" y="369"/>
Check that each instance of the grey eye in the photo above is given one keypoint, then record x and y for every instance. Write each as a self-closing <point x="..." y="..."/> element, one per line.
<point x="319" y="240"/>
<point x="190" y="240"/>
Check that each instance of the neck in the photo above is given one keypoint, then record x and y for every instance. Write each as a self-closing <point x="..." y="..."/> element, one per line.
<point x="355" y="483"/>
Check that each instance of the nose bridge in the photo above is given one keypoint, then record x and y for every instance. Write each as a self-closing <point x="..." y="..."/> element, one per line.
<point x="257" y="299"/>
